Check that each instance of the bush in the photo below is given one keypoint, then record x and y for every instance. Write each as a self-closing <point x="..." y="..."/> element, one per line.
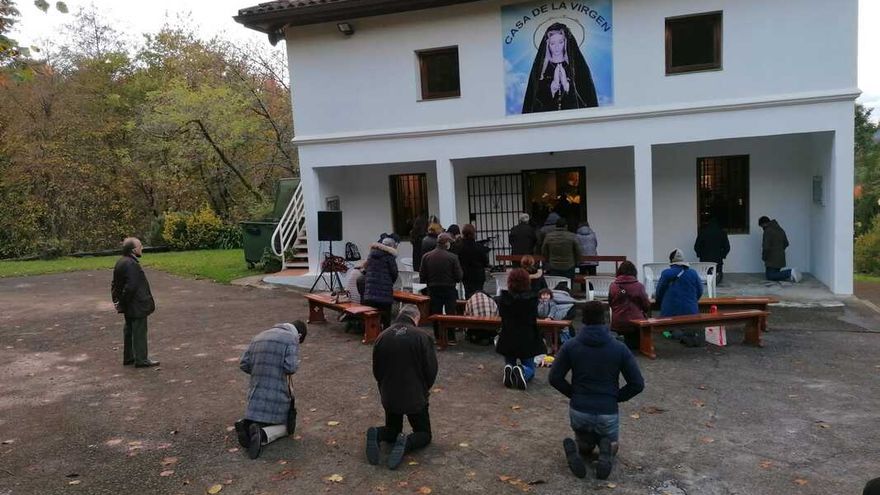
<point x="867" y="250"/>
<point x="269" y="263"/>
<point x="200" y="230"/>
<point x="203" y="228"/>
<point x="230" y="237"/>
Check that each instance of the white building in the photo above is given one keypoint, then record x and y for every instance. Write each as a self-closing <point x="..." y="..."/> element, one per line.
<point x="732" y="108"/>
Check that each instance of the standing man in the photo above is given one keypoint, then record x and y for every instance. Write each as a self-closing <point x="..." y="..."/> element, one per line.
<point x="271" y="359"/>
<point x="441" y="271"/>
<point x="712" y="245"/>
<point x="596" y="362"/>
<point x="405" y="367"/>
<point x="131" y="296"/>
<point x="522" y="238"/>
<point x="561" y="251"/>
<point x="773" y="252"/>
<point x="416" y="235"/>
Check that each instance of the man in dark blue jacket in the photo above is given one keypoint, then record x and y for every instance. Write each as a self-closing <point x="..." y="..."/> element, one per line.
<point x="596" y="362"/>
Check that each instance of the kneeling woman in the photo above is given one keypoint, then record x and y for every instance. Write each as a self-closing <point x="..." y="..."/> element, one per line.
<point x="520" y="340"/>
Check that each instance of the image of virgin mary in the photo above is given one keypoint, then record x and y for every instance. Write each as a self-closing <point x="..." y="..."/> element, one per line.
<point x="560" y="78"/>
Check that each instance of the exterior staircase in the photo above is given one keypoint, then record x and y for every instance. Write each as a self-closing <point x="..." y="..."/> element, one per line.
<point x="290" y="241"/>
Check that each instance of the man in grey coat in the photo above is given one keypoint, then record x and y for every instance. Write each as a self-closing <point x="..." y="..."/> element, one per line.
<point x="131" y="295"/>
<point x="271" y="359"/>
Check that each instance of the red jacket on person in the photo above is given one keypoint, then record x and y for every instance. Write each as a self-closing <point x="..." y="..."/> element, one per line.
<point x="628" y="301"/>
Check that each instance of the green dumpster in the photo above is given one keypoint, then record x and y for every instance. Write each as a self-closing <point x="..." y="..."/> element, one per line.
<point x="257" y="234"/>
<point x="257" y="238"/>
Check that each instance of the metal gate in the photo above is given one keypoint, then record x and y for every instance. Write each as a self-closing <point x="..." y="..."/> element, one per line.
<point x="494" y="203"/>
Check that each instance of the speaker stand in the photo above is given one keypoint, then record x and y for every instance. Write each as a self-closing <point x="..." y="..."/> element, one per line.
<point x="333" y="276"/>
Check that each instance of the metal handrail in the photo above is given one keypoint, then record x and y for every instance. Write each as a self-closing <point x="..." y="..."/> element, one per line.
<point x="289" y="225"/>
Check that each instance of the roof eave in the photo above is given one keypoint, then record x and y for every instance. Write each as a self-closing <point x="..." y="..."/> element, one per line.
<point x="272" y="22"/>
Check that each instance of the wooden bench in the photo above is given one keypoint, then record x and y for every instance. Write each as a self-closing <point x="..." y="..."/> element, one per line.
<point x="732" y="303"/>
<point x="445" y="322"/>
<point x="755" y="320"/>
<point x="418" y="300"/>
<point x="369" y="315"/>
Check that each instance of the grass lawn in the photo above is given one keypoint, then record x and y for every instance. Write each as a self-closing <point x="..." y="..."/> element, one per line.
<point x="219" y="265"/>
<point x="861" y="277"/>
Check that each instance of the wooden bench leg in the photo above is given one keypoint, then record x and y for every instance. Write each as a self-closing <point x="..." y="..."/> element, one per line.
<point x="424" y="311"/>
<point x="753" y="331"/>
<point x="372" y="327"/>
<point x="443" y="336"/>
<point x="316" y="313"/>
<point x="646" y="342"/>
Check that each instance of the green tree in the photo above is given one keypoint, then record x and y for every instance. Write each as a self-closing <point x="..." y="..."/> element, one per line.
<point x="867" y="170"/>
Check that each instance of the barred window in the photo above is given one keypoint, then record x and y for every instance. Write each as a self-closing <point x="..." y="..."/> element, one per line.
<point x="723" y="192"/>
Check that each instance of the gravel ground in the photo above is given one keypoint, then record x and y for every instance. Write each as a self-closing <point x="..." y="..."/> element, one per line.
<point x="798" y="416"/>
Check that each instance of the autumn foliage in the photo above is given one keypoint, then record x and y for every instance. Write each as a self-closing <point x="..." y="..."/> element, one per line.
<point x="110" y="135"/>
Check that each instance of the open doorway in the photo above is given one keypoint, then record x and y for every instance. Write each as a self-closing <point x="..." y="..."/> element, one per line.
<point x="560" y="190"/>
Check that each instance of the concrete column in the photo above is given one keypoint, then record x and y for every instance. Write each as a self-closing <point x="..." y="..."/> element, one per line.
<point x="644" y="195"/>
<point x="446" y="191"/>
<point x="840" y="187"/>
<point x="311" y="202"/>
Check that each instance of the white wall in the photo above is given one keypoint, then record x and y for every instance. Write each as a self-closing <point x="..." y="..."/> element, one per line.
<point x="369" y="81"/>
<point x="821" y="247"/>
<point x="780" y="186"/>
<point x="365" y="200"/>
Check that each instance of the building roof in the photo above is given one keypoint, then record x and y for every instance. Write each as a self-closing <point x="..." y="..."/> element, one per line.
<point x="272" y="17"/>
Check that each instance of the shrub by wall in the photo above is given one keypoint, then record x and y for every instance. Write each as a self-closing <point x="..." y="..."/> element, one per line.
<point x="867" y="250"/>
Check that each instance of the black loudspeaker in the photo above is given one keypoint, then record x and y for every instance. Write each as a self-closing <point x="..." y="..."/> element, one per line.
<point x="329" y="225"/>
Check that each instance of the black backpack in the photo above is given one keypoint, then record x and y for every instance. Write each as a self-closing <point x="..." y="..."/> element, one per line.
<point x="351" y="252"/>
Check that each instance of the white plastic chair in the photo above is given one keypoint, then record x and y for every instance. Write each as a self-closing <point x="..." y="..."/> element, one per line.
<point x="552" y="281"/>
<point x="406" y="281"/>
<point x="500" y="281"/>
<point x="600" y="284"/>
<point x="651" y="275"/>
<point x="706" y="270"/>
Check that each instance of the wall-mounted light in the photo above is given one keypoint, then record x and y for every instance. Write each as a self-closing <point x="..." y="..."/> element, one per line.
<point x="345" y="28"/>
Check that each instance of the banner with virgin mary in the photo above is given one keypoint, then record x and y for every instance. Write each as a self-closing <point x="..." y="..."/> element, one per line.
<point x="557" y="56"/>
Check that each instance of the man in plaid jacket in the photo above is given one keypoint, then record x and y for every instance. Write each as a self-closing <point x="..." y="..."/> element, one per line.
<point x="271" y="359"/>
<point x="480" y="304"/>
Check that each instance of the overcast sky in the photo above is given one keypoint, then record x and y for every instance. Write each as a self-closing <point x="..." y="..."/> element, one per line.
<point x="215" y="17"/>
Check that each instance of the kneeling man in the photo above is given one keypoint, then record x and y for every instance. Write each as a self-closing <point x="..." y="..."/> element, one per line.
<point x="271" y="359"/>
<point x="405" y="367"/>
<point x="596" y="361"/>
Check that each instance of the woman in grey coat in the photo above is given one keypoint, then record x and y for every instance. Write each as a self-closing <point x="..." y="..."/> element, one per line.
<point x="587" y="239"/>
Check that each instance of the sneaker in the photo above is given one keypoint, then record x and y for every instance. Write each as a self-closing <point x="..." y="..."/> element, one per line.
<point x="508" y="376"/>
<point x="395" y="457"/>
<point x="575" y="463"/>
<point x="244" y="438"/>
<point x="519" y="379"/>
<point x="255" y="445"/>
<point x="373" y="445"/>
<point x="796" y="275"/>
<point x="606" y="458"/>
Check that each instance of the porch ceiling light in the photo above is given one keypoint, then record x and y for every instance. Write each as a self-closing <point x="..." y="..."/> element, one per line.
<point x="345" y="28"/>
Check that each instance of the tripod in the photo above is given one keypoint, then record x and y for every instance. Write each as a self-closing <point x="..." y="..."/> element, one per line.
<point x="334" y="275"/>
